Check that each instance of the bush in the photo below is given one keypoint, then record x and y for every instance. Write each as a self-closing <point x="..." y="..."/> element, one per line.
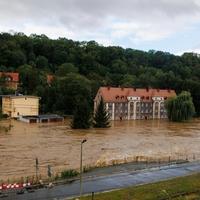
<point x="69" y="173"/>
<point x="3" y="116"/>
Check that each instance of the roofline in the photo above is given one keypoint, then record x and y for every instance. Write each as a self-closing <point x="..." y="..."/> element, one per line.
<point x="137" y="88"/>
<point x="20" y="96"/>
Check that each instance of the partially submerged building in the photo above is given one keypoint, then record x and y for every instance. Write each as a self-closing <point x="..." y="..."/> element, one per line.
<point x="41" y="118"/>
<point x="131" y="103"/>
<point x="26" y="109"/>
<point x="15" y="106"/>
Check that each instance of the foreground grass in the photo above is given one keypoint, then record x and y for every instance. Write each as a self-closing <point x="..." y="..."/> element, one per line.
<point x="184" y="188"/>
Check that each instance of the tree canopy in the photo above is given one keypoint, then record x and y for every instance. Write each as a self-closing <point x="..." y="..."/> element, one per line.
<point x="81" y="67"/>
<point x="180" y="108"/>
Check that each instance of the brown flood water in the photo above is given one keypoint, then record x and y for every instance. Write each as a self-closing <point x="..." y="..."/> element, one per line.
<point x="59" y="146"/>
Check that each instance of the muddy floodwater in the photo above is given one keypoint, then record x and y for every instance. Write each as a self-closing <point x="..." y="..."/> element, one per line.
<point x="59" y="146"/>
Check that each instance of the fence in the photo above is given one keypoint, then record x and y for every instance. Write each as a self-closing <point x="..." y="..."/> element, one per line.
<point x="38" y="179"/>
<point x="49" y="173"/>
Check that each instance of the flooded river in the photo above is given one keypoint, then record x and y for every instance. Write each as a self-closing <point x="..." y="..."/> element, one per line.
<point x="59" y="146"/>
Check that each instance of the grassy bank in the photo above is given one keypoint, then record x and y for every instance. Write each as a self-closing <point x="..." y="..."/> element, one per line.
<point x="184" y="188"/>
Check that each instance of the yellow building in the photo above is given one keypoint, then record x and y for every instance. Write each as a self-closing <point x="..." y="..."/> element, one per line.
<point x="15" y="106"/>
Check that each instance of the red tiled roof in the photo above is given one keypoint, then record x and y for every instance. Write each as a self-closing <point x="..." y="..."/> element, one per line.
<point x="13" y="75"/>
<point x="111" y="94"/>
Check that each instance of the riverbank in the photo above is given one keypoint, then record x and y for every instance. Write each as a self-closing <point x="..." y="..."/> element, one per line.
<point x="106" y="180"/>
<point x="176" y="189"/>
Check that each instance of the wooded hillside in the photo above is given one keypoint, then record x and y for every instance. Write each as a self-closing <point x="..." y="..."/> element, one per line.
<point x="81" y="67"/>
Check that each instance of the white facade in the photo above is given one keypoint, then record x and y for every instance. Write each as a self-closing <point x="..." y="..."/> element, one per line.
<point x="136" y="108"/>
<point x="134" y="103"/>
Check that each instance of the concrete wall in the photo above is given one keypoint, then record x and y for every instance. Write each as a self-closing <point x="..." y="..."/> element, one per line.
<point x="6" y="105"/>
<point x="25" y="106"/>
<point x="20" y="105"/>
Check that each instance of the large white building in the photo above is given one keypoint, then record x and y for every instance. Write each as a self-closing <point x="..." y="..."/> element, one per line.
<point x="132" y="103"/>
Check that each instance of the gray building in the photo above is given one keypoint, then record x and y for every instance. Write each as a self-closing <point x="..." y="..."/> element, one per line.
<point x="132" y="103"/>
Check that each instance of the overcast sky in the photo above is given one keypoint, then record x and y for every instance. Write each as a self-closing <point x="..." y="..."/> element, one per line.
<point x="168" y="25"/>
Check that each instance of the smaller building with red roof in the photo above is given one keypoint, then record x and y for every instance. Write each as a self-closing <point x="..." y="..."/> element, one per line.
<point x="10" y="79"/>
<point x="134" y="103"/>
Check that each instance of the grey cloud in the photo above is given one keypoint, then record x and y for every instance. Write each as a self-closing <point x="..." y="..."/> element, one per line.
<point x="96" y="9"/>
<point x="86" y="16"/>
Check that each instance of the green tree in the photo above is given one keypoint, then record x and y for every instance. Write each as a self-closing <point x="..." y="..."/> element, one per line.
<point x="128" y="80"/>
<point x="29" y="79"/>
<point x="69" y="90"/>
<point x="2" y="81"/>
<point x="65" y="69"/>
<point x="118" y="66"/>
<point x="41" y="62"/>
<point x="17" y="58"/>
<point x="180" y="108"/>
<point x="101" y="116"/>
<point x="82" y="115"/>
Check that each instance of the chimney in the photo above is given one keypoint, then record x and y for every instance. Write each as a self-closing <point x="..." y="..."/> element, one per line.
<point x="147" y="89"/>
<point x="134" y="89"/>
<point x="108" y="87"/>
<point x="158" y="90"/>
<point x="169" y="90"/>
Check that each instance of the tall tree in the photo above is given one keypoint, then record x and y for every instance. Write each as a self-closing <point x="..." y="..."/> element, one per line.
<point x="101" y="116"/>
<point x="180" y="108"/>
<point x="82" y="115"/>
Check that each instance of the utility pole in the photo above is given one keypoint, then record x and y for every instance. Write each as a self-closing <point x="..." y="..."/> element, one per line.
<point x="81" y="165"/>
<point x="36" y="168"/>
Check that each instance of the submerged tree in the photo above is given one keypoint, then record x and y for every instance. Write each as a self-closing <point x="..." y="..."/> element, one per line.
<point x="180" y="108"/>
<point x="82" y="115"/>
<point x="101" y="116"/>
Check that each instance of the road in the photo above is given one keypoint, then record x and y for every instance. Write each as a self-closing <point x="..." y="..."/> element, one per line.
<point x="113" y="181"/>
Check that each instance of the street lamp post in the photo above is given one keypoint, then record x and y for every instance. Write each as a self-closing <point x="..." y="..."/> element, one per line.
<point x="81" y="166"/>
